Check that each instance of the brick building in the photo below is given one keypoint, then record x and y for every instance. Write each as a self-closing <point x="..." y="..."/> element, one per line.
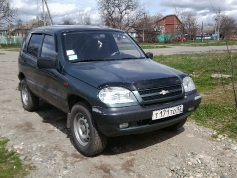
<point x="169" y="24"/>
<point x="170" y="28"/>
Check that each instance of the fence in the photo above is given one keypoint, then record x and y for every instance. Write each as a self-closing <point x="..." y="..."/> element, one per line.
<point x="12" y="40"/>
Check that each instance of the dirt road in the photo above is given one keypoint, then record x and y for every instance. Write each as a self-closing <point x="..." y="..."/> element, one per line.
<point x="42" y="139"/>
<point x="188" y="49"/>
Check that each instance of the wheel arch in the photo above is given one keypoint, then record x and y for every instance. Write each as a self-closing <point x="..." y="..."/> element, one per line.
<point x="73" y="99"/>
<point x="21" y="76"/>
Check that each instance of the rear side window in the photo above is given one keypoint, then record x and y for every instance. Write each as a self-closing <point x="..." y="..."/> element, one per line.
<point x="34" y="44"/>
<point x="25" y="43"/>
<point x="48" y="48"/>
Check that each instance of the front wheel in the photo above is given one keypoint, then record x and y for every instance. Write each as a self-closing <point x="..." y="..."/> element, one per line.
<point x="87" y="138"/>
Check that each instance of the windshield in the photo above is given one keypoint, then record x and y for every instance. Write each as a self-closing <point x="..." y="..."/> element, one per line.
<point x="90" y="46"/>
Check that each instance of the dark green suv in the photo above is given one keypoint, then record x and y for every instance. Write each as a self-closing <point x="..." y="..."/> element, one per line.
<point x="105" y="83"/>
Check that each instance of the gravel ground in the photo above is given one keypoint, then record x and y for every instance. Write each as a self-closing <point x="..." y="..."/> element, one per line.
<point x="42" y="140"/>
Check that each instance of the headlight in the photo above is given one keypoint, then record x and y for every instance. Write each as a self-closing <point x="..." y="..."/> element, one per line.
<point x="116" y="95"/>
<point x="188" y="84"/>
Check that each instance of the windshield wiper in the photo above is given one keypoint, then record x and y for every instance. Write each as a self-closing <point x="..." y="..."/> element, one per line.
<point x="133" y="58"/>
<point x="84" y="60"/>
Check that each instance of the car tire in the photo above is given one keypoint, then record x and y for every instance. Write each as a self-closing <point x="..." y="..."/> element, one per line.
<point x="176" y="126"/>
<point x="29" y="101"/>
<point x="87" y="138"/>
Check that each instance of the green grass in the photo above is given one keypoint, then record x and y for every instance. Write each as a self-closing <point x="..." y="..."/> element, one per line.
<point x="10" y="47"/>
<point x="217" y="109"/>
<point x="152" y="46"/>
<point x="7" y="46"/>
<point x="10" y="163"/>
<point x="219" y="116"/>
<point x="199" y="66"/>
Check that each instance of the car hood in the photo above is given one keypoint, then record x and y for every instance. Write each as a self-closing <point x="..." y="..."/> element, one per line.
<point x="121" y="71"/>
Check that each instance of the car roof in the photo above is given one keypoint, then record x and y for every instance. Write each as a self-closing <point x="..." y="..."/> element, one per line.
<point x="69" y="28"/>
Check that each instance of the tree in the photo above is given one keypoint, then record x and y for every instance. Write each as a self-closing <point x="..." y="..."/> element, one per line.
<point x="191" y="25"/>
<point x="189" y="22"/>
<point x="228" y="27"/>
<point x="7" y="14"/>
<point x="19" y="25"/>
<point x="149" y="27"/>
<point x="87" y="20"/>
<point x="121" y="14"/>
<point x="68" y="22"/>
<point x="84" y="18"/>
<point x="41" y="20"/>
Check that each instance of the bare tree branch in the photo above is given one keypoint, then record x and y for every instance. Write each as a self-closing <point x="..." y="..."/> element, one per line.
<point x="228" y="27"/>
<point x="189" y="22"/>
<point x="7" y="14"/>
<point x="121" y="14"/>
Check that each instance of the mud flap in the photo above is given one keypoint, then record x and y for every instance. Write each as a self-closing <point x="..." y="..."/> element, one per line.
<point x="68" y="120"/>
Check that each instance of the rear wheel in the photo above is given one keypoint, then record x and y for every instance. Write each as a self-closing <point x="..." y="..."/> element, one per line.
<point x="177" y="126"/>
<point x="87" y="138"/>
<point x="29" y="101"/>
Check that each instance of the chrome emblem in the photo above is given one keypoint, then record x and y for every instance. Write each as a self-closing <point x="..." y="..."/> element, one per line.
<point x="164" y="92"/>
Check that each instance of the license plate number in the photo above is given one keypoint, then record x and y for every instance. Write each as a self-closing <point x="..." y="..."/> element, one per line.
<point x="163" y="113"/>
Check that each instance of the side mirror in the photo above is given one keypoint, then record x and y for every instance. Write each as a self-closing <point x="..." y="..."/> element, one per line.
<point x="149" y="55"/>
<point x="47" y="62"/>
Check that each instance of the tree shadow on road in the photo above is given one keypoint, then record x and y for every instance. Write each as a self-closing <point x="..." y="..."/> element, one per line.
<point x="115" y="145"/>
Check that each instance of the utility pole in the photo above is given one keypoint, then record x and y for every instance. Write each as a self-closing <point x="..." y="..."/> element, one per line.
<point x="143" y="34"/>
<point x="44" y="19"/>
<point x="48" y="12"/>
<point x="8" y="25"/>
<point x="202" y="31"/>
<point x="218" y="25"/>
<point x="44" y="16"/>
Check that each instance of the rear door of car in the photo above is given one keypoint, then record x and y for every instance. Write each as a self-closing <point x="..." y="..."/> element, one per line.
<point x="28" y="59"/>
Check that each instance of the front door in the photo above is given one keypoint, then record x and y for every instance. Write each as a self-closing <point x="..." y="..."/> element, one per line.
<point x="50" y="81"/>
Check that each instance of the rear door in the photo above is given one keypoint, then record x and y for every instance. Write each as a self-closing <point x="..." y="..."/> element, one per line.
<point x="28" y="59"/>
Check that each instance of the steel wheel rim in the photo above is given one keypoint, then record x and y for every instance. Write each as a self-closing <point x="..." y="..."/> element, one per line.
<point x="81" y="129"/>
<point x="25" y="95"/>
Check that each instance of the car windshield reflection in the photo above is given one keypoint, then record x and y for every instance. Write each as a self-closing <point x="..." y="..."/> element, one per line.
<point x="99" y="46"/>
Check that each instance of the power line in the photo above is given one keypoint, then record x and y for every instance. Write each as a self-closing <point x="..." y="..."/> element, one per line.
<point x="213" y="7"/>
<point x="81" y="3"/>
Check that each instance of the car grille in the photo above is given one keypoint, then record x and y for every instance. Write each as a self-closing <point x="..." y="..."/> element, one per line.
<point x="160" y="90"/>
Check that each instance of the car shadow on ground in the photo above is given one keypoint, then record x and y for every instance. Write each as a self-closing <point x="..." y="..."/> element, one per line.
<point x="129" y="143"/>
<point x="115" y="145"/>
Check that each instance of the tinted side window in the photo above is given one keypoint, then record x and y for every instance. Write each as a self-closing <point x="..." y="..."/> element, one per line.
<point x="48" y="48"/>
<point x="34" y="45"/>
<point x="25" y="42"/>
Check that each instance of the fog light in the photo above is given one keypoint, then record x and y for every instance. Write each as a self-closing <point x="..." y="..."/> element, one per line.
<point x="197" y="97"/>
<point x="123" y="125"/>
<point x="191" y="109"/>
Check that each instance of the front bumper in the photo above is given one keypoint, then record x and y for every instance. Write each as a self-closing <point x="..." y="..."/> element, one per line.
<point x="139" y="117"/>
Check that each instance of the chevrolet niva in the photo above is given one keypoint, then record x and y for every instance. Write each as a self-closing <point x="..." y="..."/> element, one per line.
<point x="105" y="83"/>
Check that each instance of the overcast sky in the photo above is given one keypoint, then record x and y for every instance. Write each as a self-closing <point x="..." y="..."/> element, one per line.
<point x="204" y="9"/>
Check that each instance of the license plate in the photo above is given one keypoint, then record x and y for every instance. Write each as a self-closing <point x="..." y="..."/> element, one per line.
<point x="163" y="113"/>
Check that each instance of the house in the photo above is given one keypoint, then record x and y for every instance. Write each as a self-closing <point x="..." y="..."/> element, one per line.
<point x="12" y="35"/>
<point x="133" y="33"/>
<point x="169" y="27"/>
<point x="169" y="24"/>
